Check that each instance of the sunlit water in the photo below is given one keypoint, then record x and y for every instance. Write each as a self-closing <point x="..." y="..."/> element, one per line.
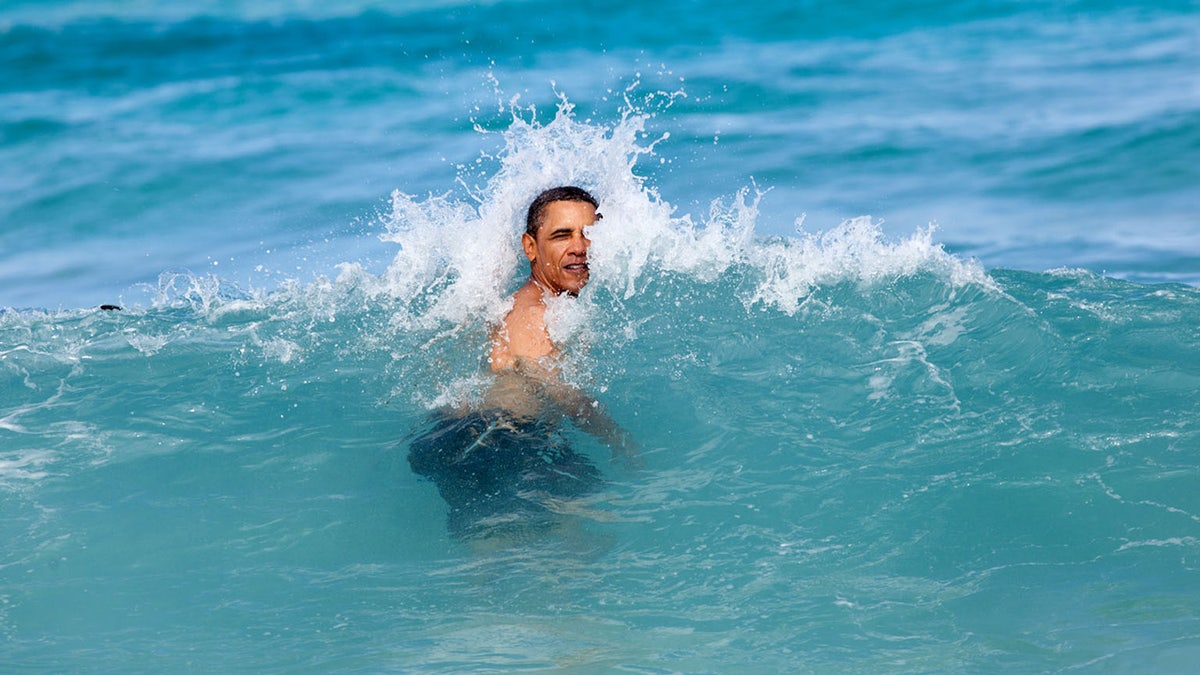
<point x="871" y="447"/>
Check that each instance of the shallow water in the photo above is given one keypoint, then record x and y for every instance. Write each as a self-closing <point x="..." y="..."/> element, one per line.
<point x="905" y="474"/>
<point x="868" y="446"/>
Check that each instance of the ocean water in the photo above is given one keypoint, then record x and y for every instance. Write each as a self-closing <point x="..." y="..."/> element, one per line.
<point x="899" y="302"/>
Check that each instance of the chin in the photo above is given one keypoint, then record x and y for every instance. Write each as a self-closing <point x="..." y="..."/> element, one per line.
<point x="572" y="286"/>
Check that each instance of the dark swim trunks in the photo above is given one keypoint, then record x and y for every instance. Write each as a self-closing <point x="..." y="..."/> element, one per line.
<point x="497" y="473"/>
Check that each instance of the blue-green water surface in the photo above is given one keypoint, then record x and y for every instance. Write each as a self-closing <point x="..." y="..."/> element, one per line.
<point x="867" y="445"/>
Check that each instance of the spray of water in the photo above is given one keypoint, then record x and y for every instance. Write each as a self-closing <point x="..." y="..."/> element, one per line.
<point x="457" y="260"/>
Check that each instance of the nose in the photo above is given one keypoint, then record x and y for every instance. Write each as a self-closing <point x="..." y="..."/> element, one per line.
<point x="580" y="244"/>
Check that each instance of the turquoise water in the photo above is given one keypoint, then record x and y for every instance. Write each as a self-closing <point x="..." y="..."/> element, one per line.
<point x="869" y="444"/>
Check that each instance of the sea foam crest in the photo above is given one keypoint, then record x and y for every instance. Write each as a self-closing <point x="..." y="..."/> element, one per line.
<point x="854" y="251"/>
<point x="458" y="258"/>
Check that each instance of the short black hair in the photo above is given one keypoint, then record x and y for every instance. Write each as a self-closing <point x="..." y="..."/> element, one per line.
<point x="565" y="193"/>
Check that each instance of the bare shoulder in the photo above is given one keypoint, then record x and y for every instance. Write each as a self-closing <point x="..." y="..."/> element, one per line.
<point x="522" y="335"/>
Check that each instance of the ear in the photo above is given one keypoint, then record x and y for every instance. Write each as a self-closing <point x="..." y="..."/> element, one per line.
<point x="530" y="245"/>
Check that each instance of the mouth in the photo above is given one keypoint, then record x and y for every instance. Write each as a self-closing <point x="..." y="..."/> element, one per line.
<point x="576" y="267"/>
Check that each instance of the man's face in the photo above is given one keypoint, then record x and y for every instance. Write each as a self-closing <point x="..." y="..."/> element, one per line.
<point x="558" y="254"/>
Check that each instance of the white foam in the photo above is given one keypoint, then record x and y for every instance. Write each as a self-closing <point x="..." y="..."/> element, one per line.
<point x="457" y="259"/>
<point x="26" y="466"/>
<point x="854" y="251"/>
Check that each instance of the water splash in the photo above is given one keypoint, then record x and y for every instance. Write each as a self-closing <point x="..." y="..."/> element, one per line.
<point x="458" y="258"/>
<point x="457" y="261"/>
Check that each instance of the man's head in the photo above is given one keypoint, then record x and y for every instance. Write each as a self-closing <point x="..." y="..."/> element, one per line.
<point x="554" y="239"/>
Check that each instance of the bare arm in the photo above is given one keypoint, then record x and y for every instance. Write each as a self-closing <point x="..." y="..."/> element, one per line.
<point x="586" y="412"/>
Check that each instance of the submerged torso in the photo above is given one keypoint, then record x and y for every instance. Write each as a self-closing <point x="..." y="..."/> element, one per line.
<point x="518" y="394"/>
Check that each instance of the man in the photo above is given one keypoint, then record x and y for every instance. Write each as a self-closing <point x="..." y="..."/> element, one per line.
<point x="507" y="465"/>
<point x="556" y="244"/>
<point x="523" y="356"/>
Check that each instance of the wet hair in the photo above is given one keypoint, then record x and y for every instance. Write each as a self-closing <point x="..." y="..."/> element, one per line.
<point x="565" y="193"/>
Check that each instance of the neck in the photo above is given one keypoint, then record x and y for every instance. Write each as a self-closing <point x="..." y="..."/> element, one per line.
<point x="546" y="291"/>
